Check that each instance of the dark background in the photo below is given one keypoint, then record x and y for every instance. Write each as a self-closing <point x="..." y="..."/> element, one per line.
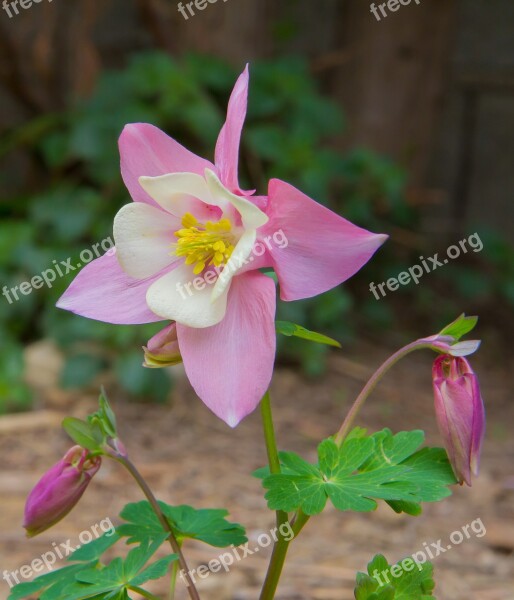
<point x="405" y="126"/>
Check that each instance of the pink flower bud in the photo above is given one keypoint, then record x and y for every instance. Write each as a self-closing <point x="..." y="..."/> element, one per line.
<point x="60" y="488"/>
<point x="162" y="349"/>
<point x="460" y="414"/>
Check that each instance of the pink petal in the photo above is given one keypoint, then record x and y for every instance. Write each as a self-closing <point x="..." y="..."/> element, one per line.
<point x="146" y="151"/>
<point x="459" y="408"/>
<point x="479" y="425"/>
<point x="104" y="292"/>
<point x="230" y="364"/>
<point x="319" y="249"/>
<point x="227" y="148"/>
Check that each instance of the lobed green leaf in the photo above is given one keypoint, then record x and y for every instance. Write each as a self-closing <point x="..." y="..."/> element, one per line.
<point x="207" y="525"/>
<point x="407" y="580"/>
<point x="361" y="471"/>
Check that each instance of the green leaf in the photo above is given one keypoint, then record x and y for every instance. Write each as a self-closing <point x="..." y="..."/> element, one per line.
<point x="429" y="468"/>
<point x="82" y="433"/>
<point x="156" y="570"/>
<point x="142" y="524"/>
<point x="94" y="550"/>
<point x="49" y="581"/>
<point x="292" y="329"/>
<point x="407" y="580"/>
<point x="91" y="580"/>
<point x="103" y="421"/>
<point x="107" y="414"/>
<point x="410" y="508"/>
<point x="362" y="470"/>
<point x="460" y="327"/>
<point x="117" y="576"/>
<point x="207" y="525"/>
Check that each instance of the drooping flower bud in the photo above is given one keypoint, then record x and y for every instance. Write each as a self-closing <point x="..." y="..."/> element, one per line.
<point x="460" y="414"/>
<point x="162" y="349"/>
<point x="59" y="490"/>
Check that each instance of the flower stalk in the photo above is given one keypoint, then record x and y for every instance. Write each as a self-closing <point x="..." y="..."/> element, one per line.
<point x="131" y="468"/>
<point x="281" y="546"/>
<point x="372" y="384"/>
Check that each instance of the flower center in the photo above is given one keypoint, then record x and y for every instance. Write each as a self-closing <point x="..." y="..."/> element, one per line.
<point x="204" y="244"/>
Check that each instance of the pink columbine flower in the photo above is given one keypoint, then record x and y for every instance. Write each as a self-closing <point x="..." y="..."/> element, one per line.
<point x="189" y="249"/>
<point x="59" y="490"/>
<point x="460" y="414"/>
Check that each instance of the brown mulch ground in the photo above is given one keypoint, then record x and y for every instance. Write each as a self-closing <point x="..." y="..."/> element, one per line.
<point x="215" y="472"/>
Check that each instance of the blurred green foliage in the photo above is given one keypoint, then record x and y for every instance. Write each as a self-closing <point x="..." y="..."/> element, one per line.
<point x="75" y="158"/>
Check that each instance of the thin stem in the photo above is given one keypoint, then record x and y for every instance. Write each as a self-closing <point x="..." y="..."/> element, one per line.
<point x="271" y="447"/>
<point x="299" y="522"/>
<point x="173" y="580"/>
<point x="269" y="434"/>
<point x="281" y="546"/>
<point x="142" y="592"/>
<point x="131" y="468"/>
<point x="278" y="558"/>
<point x="372" y="383"/>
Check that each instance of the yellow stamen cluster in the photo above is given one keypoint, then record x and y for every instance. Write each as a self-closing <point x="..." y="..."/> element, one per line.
<point x="204" y="244"/>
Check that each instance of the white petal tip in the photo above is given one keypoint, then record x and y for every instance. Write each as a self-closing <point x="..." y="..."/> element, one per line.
<point x="232" y="421"/>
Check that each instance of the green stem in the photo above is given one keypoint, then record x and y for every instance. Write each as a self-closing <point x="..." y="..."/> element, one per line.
<point x="281" y="546"/>
<point x="131" y="468"/>
<point x="173" y="580"/>
<point x="142" y="592"/>
<point x="372" y="383"/>
<point x="271" y="447"/>
<point x="269" y="434"/>
<point x="301" y="519"/>
<point x="276" y="565"/>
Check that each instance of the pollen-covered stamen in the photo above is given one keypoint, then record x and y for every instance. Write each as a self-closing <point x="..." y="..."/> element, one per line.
<point x="204" y="244"/>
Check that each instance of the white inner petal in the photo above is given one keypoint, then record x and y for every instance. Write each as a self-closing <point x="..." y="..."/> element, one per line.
<point x="174" y="191"/>
<point x="176" y="297"/>
<point x="146" y="234"/>
<point x="251" y="216"/>
<point x="242" y="252"/>
<point x="143" y="236"/>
